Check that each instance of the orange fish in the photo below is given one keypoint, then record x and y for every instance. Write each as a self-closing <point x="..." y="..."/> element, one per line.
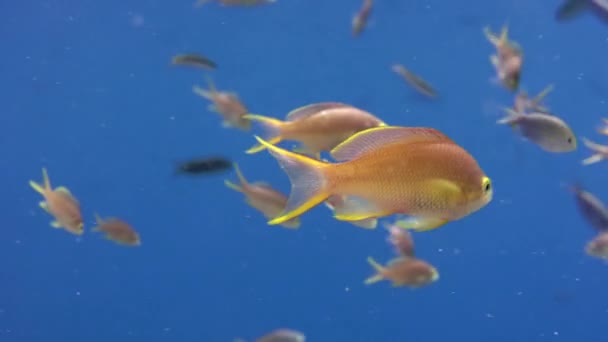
<point x="508" y="60"/>
<point x="61" y="204"/>
<point x="401" y="240"/>
<point x="414" y="171"/>
<point x="263" y="198"/>
<point x="318" y="127"/>
<point x="226" y="104"/>
<point x="403" y="272"/>
<point x="118" y="231"/>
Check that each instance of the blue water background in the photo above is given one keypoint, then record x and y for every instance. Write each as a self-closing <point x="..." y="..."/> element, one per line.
<point x="91" y="96"/>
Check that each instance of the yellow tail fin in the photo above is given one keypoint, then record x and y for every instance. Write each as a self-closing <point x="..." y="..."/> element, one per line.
<point x="308" y="181"/>
<point x="379" y="270"/>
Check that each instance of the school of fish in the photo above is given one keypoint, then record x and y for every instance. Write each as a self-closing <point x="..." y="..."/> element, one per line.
<point x="364" y="169"/>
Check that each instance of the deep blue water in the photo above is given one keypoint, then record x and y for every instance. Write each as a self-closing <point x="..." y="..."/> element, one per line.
<point x="92" y="97"/>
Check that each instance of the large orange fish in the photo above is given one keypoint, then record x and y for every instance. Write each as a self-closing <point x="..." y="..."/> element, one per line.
<point x="61" y="204"/>
<point x="418" y="172"/>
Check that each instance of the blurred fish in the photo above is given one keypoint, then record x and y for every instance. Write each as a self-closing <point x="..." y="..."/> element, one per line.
<point x="388" y="170"/>
<point x="280" y="335"/>
<point x="200" y="3"/>
<point x="318" y="127"/>
<point x="361" y="18"/>
<point x="524" y="104"/>
<point x="592" y="209"/>
<point x="117" y="230"/>
<point x="204" y="165"/>
<point x="61" y="204"/>
<point x="571" y="9"/>
<point x="401" y="240"/>
<point x="194" y="60"/>
<point x="600" y="152"/>
<point x="403" y="272"/>
<point x="263" y="198"/>
<point x="604" y="128"/>
<point x="598" y="247"/>
<point x="508" y="60"/>
<point x="547" y="131"/>
<point x="415" y="81"/>
<point x="226" y="104"/>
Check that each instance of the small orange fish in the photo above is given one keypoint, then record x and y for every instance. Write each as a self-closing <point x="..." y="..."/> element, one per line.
<point x="401" y="240"/>
<point x="118" y="231"/>
<point x="263" y="198"/>
<point x="226" y="104"/>
<point x="318" y="127"/>
<point x="383" y="171"/>
<point x="403" y="272"/>
<point x="508" y="60"/>
<point x="598" y="247"/>
<point x="600" y="152"/>
<point x="362" y="17"/>
<point x="61" y="204"/>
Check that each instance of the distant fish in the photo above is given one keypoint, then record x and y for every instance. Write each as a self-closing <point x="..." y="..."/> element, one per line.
<point x="61" y="204"/>
<point x="598" y="247"/>
<point x="262" y="197"/>
<point x="600" y="152"/>
<point x="362" y="17"/>
<point x="604" y="128"/>
<point x="415" y="81"/>
<point x="204" y="165"/>
<point x="508" y="59"/>
<point x="547" y="131"/>
<point x="118" y="231"/>
<point x="571" y="9"/>
<point x="592" y="209"/>
<point x="194" y="60"/>
<point x="401" y="240"/>
<point x="403" y="271"/>
<point x="227" y="104"/>
<point x="200" y="3"/>
<point x="279" y="335"/>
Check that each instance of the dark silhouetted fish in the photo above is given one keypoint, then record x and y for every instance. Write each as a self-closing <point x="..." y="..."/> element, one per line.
<point x="571" y="9"/>
<point x="204" y="165"/>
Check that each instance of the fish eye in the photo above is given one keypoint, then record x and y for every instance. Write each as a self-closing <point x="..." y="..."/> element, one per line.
<point x="570" y="140"/>
<point x="486" y="184"/>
